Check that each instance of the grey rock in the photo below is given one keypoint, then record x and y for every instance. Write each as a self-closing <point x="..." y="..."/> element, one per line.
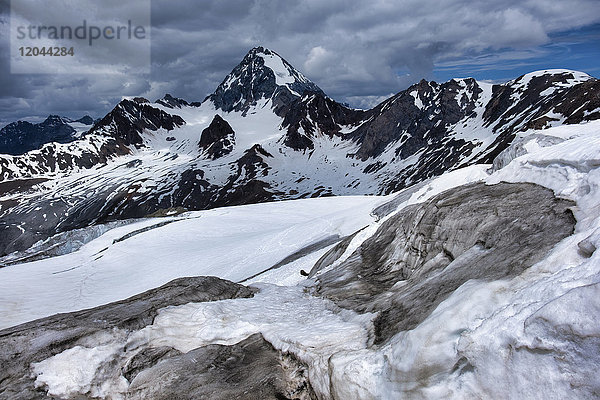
<point x="329" y="257"/>
<point x="421" y="255"/>
<point x="35" y="341"/>
<point x="586" y="248"/>
<point x="217" y="139"/>
<point x="392" y="205"/>
<point x="147" y="358"/>
<point x="251" y="369"/>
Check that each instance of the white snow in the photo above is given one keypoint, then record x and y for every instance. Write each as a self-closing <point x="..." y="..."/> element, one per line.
<point x="418" y="102"/>
<point x="232" y="243"/>
<point x="282" y="74"/>
<point x="578" y="77"/>
<point x="72" y="371"/>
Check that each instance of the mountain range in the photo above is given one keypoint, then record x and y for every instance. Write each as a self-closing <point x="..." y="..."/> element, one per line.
<point x="268" y="133"/>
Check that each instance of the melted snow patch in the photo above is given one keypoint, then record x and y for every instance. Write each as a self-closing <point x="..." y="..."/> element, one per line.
<point x="73" y="372"/>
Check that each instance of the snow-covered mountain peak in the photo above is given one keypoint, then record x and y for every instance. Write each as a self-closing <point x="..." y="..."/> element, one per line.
<point x="560" y="77"/>
<point x="262" y="73"/>
<point x="131" y="117"/>
<point x="285" y="74"/>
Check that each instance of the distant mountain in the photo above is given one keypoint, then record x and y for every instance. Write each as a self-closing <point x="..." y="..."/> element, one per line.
<point x="172" y="102"/>
<point x="262" y="75"/>
<point x="20" y="137"/>
<point x="268" y="133"/>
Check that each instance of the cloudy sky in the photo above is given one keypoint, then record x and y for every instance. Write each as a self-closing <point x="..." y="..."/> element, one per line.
<point x="357" y="51"/>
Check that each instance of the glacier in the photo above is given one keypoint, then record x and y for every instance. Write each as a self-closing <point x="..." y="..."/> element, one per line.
<point x="533" y="335"/>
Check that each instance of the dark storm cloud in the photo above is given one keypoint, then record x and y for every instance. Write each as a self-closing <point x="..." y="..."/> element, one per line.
<point x="356" y="51"/>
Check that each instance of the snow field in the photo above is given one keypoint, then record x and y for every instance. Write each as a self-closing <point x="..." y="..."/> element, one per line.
<point x="233" y="243"/>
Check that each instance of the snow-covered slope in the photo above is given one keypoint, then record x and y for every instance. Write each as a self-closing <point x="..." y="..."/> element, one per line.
<point x="530" y="336"/>
<point x="234" y="243"/>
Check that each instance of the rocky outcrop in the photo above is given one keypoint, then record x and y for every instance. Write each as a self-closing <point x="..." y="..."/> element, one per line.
<point x="130" y="118"/>
<point x="35" y="341"/>
<point x="247" y="185"/>
<point x="316" y="114"/>
<point x="251" y="369"/>
<point x="218" y="139"/>
<point x="426" y="121"/>
<point x="421" y="114"/>
<point x="421" y="255"/>
<point x="530" y="97"/>
<point x="172" y="102"/>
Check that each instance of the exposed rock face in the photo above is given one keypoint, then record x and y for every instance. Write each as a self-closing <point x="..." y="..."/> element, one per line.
<point x="22" y="136"/>
<point x="248" y="370"/>
<point x="421" y="113"/>
<point x="547" y="92"/>
<point x="422" y="254"/>
<point x="253" y="79"/>
<point x="526" y="102"/>
<point x="245" y="185"/>
<point x="218" y="139"/>
<point x="130" y="118"/>
<point x="313" y="114"/>
<point x="35" y="341"/>
<point x="424" y="120"/>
